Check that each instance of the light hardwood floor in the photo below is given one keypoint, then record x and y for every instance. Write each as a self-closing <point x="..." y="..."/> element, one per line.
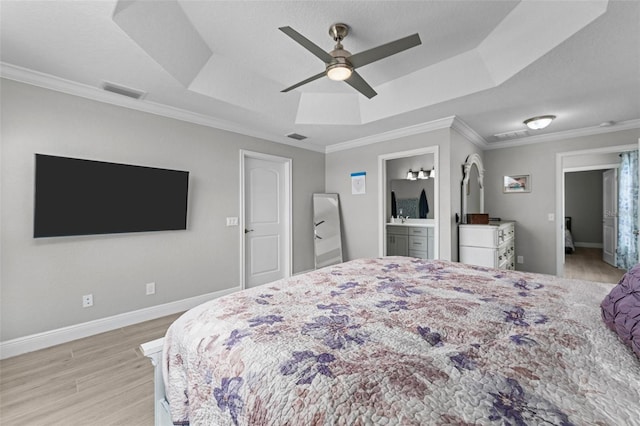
<point x="587" y="264"/>
<point x="99" y="380"/>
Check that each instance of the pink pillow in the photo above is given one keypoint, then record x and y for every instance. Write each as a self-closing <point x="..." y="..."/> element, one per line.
<point x="621" y="309"/>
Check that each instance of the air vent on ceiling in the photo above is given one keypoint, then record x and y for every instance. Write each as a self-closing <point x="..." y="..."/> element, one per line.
<point x="512" y="134"/>
<point x="124" y="91"/>
<point x="296" y="136"/>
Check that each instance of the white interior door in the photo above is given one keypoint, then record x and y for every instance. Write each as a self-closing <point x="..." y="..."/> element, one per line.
<point x="266" y="220"/>
<point x="609" y="211"/>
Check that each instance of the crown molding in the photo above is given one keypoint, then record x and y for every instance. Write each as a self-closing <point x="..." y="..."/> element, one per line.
<point x="443" y="123"/>
<point x="451" y="122"/>
<point x="463" y="128"/>
<point x="567" y="134"/>
<point x="47" y="81"/>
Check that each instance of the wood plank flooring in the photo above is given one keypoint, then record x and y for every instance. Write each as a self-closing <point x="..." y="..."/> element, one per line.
<point x="587" y="264"/>
<point x="99" y="380"/>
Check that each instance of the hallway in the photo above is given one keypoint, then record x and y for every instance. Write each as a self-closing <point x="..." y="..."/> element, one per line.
<point x="586" y="264"/>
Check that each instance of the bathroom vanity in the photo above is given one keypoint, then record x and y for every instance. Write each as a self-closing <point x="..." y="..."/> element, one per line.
<point x="413" y="237"/>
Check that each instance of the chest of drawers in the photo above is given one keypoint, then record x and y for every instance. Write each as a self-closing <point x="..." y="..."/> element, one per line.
<point x="490" y="245"/>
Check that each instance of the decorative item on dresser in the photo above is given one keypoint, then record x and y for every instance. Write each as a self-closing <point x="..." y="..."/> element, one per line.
<point x="491" y="245"/>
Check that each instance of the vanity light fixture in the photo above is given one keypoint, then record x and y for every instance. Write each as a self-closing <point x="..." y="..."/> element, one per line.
<point x="540" y="122"/>
<point x="422" y="174"/>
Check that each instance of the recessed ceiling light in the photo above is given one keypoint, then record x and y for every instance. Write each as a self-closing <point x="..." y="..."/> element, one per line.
<point x="540" y="122"/>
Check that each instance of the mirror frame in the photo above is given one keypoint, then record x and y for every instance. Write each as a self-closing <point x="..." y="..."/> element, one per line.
<point x="340" y="256"/>
<point x="472" y="159"/>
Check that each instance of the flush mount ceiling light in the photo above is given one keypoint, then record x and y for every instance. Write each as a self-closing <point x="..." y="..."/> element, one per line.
<point x="540" y="122"/>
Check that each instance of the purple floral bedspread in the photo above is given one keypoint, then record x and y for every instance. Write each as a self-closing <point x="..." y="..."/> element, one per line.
<point x="402" y="341"/>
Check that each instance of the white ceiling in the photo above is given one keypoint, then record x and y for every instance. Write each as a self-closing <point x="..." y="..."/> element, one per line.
<point x="491" y="64"/>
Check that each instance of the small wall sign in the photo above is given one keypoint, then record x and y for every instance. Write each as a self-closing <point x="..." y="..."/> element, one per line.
<point x="358" y="183"/>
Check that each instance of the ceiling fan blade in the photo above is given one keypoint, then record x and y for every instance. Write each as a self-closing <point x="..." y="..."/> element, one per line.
<point x="307" y="44"/>
<point x="308" y="80"/>
<point x="382" y="51"/>
<point x="357" y="82"/>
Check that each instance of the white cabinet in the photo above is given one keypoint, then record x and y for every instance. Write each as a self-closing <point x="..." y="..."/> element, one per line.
<point x="490" y="245"/>
<point x="414" y="241"/>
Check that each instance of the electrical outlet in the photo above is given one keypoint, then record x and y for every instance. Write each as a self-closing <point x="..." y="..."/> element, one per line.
<point x="87" y="300"/>
<point x="520" y="259"/>
<point x="151" y="288"/>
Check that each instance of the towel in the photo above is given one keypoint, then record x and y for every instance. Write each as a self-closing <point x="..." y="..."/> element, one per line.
<point x="394" y="207"/>
<point x="423" y="206"/>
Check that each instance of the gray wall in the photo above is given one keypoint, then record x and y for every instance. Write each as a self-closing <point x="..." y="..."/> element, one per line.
<point x="535" y="234"/>
<point x="583" y="202"/>
<point x="360" y="212"/>
<point x="42" y="280"/>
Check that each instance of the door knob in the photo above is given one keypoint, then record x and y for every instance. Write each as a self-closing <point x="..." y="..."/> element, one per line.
<point x="246" y="231"/>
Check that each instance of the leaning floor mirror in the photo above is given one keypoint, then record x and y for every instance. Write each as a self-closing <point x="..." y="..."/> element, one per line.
<point x="326" y="230"/>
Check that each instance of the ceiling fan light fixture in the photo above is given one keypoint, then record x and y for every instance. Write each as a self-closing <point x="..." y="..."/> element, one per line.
<point x="540" y="122"/>
<point x="339" y="72"/>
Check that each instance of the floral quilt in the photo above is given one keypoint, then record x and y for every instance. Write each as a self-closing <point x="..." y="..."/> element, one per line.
<point x="402" y="341"/>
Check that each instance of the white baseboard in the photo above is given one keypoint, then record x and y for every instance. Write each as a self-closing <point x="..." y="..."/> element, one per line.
<point x="34" y="342"/>
<point x="589" y="245"/>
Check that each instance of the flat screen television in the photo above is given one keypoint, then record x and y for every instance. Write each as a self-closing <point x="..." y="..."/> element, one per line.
<point x="84" y="197"/>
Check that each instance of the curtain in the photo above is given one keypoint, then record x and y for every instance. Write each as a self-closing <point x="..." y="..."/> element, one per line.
<point x="627" y="253"/>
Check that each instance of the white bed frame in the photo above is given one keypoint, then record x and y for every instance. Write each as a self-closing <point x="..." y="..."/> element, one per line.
<point x="161" y="413"/>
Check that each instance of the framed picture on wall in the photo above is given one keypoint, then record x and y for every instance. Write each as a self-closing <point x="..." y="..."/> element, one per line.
<point x="516" y="183"/>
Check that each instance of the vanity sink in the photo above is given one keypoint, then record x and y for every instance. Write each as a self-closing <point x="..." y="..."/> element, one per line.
<point x="412" y="222"/>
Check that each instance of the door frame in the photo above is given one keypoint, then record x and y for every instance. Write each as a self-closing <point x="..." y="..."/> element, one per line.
<point x="382" y="195"/>
<point x="287" y="211"/>
<point x="560" y="190"/>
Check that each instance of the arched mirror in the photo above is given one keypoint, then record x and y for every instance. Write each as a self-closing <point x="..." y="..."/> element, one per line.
<point x="326" y="229"/>
<point x="472" y="186"/>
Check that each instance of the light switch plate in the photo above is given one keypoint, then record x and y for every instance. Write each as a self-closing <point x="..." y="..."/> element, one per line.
<point x="551" y="217"/>
<point x="232" y="221"/>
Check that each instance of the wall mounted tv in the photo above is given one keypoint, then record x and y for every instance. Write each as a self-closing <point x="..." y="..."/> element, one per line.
<point x="84" y="197"/>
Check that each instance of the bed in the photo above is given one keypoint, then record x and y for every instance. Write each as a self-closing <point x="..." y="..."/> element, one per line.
<point x="399" y="340"/>
<point x="569" y="247"/>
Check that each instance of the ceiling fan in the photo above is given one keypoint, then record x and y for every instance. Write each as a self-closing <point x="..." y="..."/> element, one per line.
<point x="341" y="64"/>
